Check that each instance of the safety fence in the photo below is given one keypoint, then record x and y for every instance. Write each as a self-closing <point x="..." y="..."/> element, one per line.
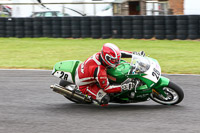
<point x="138" y="27"/>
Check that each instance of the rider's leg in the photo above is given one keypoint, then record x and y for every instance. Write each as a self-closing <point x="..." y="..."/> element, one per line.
<point x="96" y="93"/>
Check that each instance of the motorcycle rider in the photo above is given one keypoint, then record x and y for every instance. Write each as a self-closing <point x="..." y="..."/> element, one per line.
<point x="91" y="77"/>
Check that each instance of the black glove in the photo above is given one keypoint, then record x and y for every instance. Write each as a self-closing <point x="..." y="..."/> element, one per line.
<point x="141" y="53"/>
<point x="127" y="86"/>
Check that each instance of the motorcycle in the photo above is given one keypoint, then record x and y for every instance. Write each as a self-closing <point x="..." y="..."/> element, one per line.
<point x="143" y="72"/>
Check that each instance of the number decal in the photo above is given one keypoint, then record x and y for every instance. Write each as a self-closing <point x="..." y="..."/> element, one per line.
<point x="63" y="75"/>
<point x="156" y="73"/>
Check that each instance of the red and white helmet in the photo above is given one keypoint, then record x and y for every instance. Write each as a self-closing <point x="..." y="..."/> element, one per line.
<point x="110" y="54"/>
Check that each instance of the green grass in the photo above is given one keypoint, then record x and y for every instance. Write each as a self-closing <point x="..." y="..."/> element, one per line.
<point x="42" y="53"/>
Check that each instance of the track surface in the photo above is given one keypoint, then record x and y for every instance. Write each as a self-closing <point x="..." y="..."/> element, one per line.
<point x="27" y="105"/>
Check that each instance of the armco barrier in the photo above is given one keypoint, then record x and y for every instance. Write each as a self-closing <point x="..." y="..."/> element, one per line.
<point x="138" y="27"/>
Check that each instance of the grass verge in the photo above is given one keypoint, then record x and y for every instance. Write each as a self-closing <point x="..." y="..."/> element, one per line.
<point x="175" y="56"/>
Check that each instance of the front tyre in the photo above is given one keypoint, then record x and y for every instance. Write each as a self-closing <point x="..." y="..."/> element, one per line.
<point x="174" y="95"/>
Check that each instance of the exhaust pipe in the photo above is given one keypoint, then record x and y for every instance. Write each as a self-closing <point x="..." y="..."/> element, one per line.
<point x="70" y="94"/>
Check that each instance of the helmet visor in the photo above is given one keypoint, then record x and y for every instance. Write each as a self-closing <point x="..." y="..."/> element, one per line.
<point x="112" y="60"/>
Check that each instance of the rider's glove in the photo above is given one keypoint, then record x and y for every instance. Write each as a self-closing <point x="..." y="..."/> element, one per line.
<point x="127" y="86"/>
<point x="141" y="53"/>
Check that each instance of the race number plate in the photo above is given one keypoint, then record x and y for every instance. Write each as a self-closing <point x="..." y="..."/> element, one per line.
<point x="64" y="75"/>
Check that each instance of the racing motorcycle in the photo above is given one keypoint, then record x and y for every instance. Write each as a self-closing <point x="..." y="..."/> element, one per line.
<point x="143" y="72"/>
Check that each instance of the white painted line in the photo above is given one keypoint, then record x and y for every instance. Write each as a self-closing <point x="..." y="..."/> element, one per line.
<point x="182" y="74"/>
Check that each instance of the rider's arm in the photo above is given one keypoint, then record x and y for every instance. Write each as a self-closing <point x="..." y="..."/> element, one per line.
<point x="126" y="54"/>
<point x="102" y="80"/>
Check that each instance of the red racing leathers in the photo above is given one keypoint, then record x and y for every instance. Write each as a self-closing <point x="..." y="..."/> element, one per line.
<point x="91" y="77"/>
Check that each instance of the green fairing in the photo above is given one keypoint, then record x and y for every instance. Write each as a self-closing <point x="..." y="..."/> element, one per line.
<point x="120" y="72"/>
<point x="149" y="83"/>
<point x="67" y="66"/>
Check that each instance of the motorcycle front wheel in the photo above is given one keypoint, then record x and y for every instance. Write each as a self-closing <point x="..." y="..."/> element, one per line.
<point x="174" y="95"/>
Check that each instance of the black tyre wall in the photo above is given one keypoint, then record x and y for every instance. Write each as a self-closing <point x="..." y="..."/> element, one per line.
<point x="56" y="27"/>
<point x="182" y="27"/>
<point x="28" y="27"/>
<point x="127" y="27"/>
<point x="2" y="27"/>
<point x="193" y="27"/>
<point x="148" y="27"/>
<point x="37" y="27"/>
<point x="85" y="27"/>
<point x="19" y="27"/>
<point x="47" y="27"/>
<point x="137" y="27"/>
<point x="170" y="27"/>
<point x="10" y="27"/>
<point x="96" y="27"/>
<point x="159" y="27"/>
<point x="76" y="27"/>
<point x="116" y="25"/>
<point x="106" y="29"/>
<point x="66" y="27"/>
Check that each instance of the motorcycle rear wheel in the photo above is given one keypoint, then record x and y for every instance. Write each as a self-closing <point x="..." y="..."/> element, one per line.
<point x="174" y="95"/>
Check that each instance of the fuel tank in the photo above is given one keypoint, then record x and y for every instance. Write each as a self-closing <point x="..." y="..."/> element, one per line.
<point x="118" y="74"/>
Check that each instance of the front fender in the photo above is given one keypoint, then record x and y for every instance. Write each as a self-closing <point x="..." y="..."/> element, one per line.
<point x="163" y="82"/>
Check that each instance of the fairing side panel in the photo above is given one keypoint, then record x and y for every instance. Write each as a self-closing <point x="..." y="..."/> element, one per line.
<point x="66" y="69"/>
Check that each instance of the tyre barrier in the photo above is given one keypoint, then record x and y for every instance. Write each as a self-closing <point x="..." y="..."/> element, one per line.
<point x="182" y="27"/>
<point x="47" y="27"/>
<point x="56" y="27"/>
<point x="66" y="31"/>
<point x="138" y="27"/>
<point x="10" y="27"/>
<point x="19" y="27"/>
<point x="116" y="26"/>
<point x="2" y="27"/>
<point x="159" y="27"/>
<point x="37" y="27"/>
<point x="148" y="27"/>
<point x="85" y="27"/>
<point x="96" y="27"/>
<point x="127" y="27"/>
<point x="170" y="27"/>
<point x="76" y="27"/>
<point x="106" y="29"/>
<point x="28" y="27"/>
<point x="193" y="27"/>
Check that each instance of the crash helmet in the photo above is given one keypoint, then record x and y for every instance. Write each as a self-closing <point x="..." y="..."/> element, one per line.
<point x="110" y="54"/>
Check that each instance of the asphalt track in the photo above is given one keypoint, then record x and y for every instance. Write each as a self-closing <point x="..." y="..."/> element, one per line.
<point x="27" y="105"/>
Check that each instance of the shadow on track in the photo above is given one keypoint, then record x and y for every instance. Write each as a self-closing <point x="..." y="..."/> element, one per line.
<point x="72" y="107"/>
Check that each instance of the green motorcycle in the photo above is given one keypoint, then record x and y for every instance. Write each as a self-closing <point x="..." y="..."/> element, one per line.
<point x="143" y="72"/>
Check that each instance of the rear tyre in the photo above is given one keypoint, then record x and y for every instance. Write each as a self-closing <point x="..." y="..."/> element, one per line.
<point x="174" y="95"/>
